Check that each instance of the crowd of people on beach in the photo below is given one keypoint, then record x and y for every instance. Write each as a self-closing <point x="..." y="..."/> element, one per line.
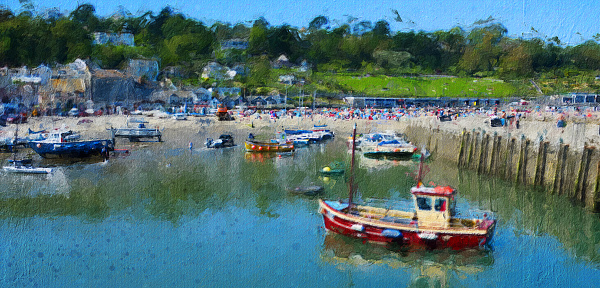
<point x="506" y="116"/>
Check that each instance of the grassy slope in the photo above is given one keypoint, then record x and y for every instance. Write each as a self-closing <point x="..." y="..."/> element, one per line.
<point x="385" y="86"/>
<point x="432" y="87"/>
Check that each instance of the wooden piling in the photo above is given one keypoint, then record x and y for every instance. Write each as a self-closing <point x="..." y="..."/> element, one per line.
<point x="473" y="140"/>
<point x="483" y="153"/>
<point x="596" y="196"/>
<point x="559" y="178"/>
<point x="557" y="171"/>
<point x="522" y="164"/>
<point x="495" y="149"/>
<point x="510" y="149"/>
<point x="540" y="169"/>
<point x="584" y="166"/>
<point x="462" y="148"/>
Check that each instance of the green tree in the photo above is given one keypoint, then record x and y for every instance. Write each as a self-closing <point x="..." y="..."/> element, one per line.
<point x="258" y="40"/>
<point x="517" y="62"/>
<point x="260" y="73"/>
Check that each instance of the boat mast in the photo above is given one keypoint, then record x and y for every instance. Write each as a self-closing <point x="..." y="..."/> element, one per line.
<point x="351" y="181"/>
<point x="420" y="173"/>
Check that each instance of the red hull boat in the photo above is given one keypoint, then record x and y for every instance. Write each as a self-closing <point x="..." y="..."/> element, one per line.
<point x="432" y="224"/>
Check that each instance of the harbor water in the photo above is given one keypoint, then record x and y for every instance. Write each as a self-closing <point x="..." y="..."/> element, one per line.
<point x="169" y="216"/>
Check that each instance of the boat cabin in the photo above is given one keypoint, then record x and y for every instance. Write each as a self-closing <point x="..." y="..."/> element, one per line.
<point x="60" y="136"/>
<point x="434" y="206"/>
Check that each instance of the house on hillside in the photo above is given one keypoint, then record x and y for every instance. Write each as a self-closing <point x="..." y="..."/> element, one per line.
<point x="239" y="44"/>
<point x="257" y="101"/>
<point x="103" y="38"/>
<point x="287" y="79"/>
<point x="217" y="71"/>
<point x="281" y="62"/>
<point x="227" y="91"/>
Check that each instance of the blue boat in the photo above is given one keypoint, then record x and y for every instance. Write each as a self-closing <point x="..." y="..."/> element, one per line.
<point x="58" y="144"/>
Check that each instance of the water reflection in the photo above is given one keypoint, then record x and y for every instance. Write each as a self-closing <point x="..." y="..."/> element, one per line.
<point x="439" y="268"/>
<point x="261" y="157"/>
<point x="160" y="183"/>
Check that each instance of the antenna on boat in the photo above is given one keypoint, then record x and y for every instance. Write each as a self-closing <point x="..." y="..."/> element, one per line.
<point x="351" y="181"/>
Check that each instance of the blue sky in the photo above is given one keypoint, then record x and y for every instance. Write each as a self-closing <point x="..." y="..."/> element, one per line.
<point x="572" y="21"/>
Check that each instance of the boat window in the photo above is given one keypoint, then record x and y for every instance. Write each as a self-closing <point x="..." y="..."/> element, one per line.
<point x="424" y="203"/>
<point x="440" y="204"/>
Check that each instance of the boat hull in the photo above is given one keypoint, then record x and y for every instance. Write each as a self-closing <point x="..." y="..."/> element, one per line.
<point x="76" y="149"/>
<point x="265" y="147"/>
<point x="137" y="133"/>
<point x="407" y="233"/>
<point x="27" y="170"/>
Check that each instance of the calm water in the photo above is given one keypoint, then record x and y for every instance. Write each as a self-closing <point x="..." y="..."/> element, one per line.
<point x="167" y="216"/>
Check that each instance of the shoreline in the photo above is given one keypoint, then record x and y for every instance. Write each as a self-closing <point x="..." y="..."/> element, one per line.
<point x="578" y="132"/>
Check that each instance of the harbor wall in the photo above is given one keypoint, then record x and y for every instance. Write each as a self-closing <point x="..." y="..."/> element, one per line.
<point x="548" y="164"/>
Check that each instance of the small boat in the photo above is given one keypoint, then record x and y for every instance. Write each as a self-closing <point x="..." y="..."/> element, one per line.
<point x="372" y="139"/>
<point x="224" y="141"/>
<point x="313" y="136"/>
<point x="391" y="148"/>
<point x="255" y="146"/>
<point x="179" y="116"/>
<point x="25" y="166"/>
<point x="307" y="190"/>
<point x="136" y="133"/>
<point x="433" y="223"/>
<point x="65" y="143"/>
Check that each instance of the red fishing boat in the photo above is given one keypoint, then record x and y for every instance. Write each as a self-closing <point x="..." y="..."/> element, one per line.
<point x="432" y="224"/>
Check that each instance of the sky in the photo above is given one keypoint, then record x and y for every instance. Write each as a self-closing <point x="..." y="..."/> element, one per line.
<point x="573" y="22"/>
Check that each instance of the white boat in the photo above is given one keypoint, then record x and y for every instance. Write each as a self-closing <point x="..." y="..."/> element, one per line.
<point x="22" y="166"/>
<point x="137" y="132"/>
<point x="179" y="116"/>
<point x="27" y="170"/>
<point x="393" y="148"/>
<point x="372" y="139"/>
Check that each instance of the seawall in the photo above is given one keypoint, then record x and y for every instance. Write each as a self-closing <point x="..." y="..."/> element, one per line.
<point x="563" y="161"/>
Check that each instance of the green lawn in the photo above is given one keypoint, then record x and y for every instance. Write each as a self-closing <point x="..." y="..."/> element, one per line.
<point x="432" y="86"/>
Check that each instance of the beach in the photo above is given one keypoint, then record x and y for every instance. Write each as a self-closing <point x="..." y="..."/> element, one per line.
<point x="580" y="131"/>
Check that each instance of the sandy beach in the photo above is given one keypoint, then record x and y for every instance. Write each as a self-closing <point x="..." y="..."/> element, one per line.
<point x="578" y="132"/>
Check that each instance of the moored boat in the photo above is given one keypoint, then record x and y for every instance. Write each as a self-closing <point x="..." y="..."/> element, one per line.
<point x="138" y="132"/>
<point x="390" y="148"/>
<point x="224" y="141"/>
<point x="25" y="166"/>
<point x="57" y="145"/>
<point x="312" y="136"/>
<point x="255" y="146"/>
<point x="432" y="224"/>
